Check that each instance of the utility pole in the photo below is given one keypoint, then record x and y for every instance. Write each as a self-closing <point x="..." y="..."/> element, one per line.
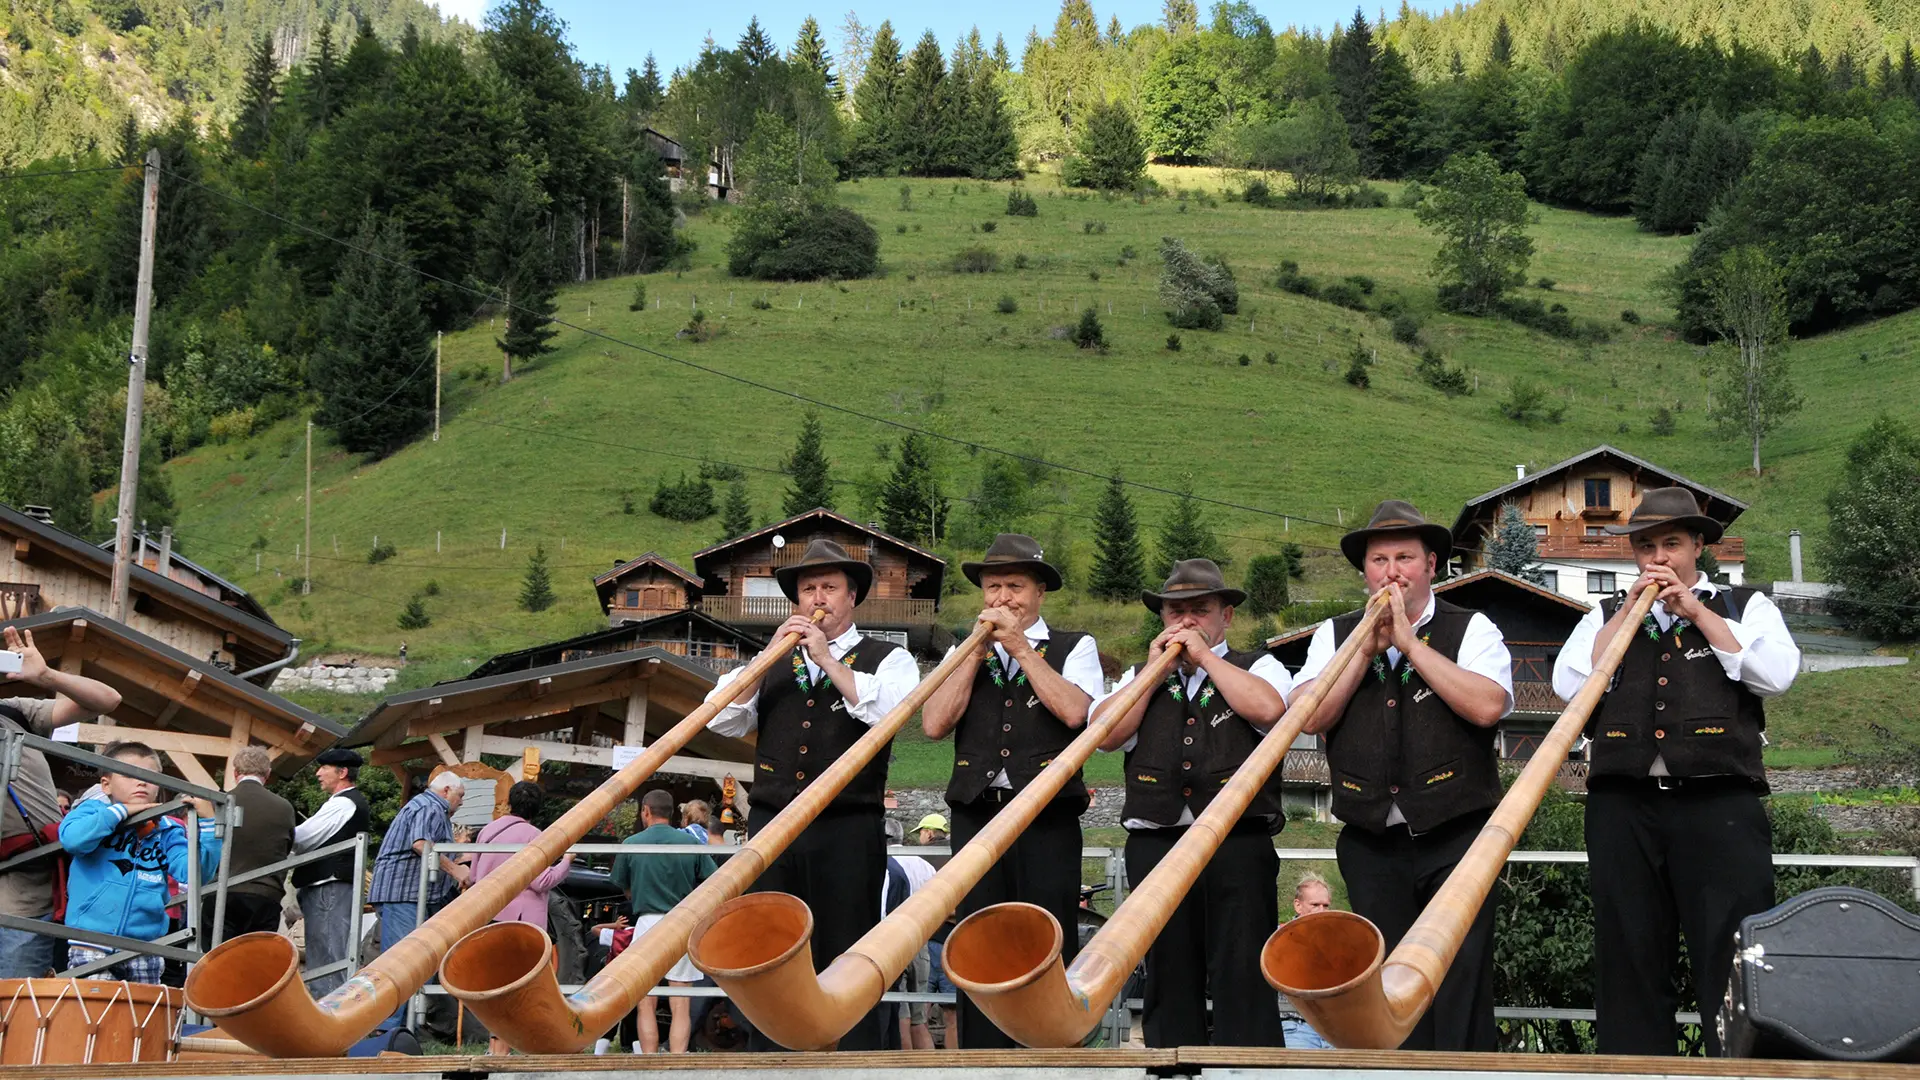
<point x="136" y="392"/>
<point x="436" y="385"/>
<point x="306" y="576"/>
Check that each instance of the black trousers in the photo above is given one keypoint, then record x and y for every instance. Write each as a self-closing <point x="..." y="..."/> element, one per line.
<point x="1042" y="868"/>
<point x="1211" y="946"/>
<point x="246" y="913"/>
<point x="837" y="865"/>
<point x="1692" y="860"/>
<point x="1390" y="878"/>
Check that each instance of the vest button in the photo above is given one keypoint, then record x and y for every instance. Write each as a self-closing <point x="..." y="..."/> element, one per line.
<point x="1190" y="721"/>
<point x="1394" y="790"/>
<point x="809" y="703"/>
<point x="1663" y="680"/>
<point x="1009" y="703"/>
<point x="1665" y="656"/>
<point x="799" y="776"/>
<point x="1391" y="703"/>
<point x="1006" y="753"/>
<point x="1188" y="740"/>
<point x="1186" y="765"/>
<point x="806" y="724"/>
<point x="803" y="749"/>
<point x="1659" y="706"/>
<point x="1659" y="733"/>
<point x="1186" y="791"/>
<point x="1006" y="727"/>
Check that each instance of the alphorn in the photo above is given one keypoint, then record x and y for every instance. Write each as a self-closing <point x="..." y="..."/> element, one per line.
<point x="250" y="986"/>
<point x="504" y="972"/>
<point x="758" y="947"/>
<point x="1333" y="965"/>
<point x="1007" y="957"/>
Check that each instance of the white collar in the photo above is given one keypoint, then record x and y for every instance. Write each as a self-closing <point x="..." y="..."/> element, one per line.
<point x="1427" y="615"/>
<point x="244" y="779"/>
<point x="1701" y="583"/>
<point x="847" y="638"/>
<point x="1221" y="648"/>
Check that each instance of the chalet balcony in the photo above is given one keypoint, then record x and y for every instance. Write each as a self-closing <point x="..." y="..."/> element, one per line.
<point x="1530" y="696"/>
<point x="774" y="610"/>
<point x="1730" y="549"/>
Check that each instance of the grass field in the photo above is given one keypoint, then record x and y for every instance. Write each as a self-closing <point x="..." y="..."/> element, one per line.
<point x="556" y="456"/>
<point x="1829" y="713"/>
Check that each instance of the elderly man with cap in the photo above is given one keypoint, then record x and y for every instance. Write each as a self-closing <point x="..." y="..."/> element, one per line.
<point x="325" y="886"/>
<point x="1183" y="742"/>
<point x="808" y="713"/>
<point x="1410" y="744"/>
<point x="1011" y="708"/>
<point x="1678" y="838"/>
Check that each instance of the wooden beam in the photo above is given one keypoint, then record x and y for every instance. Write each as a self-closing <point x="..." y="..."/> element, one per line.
<point x="582" y="718"/>
<point x="439" y="744"/>
<point x="471" y="744"/>
<point x="677" y="765"/>
<point x="412" y="751"/>
<point x="190" y="768"/>
<point x="237" y="737"/>
<point x="22" y="549"/>
<point x="176" y="741"/>
<point x="541" y="686"/>
<point x="520" y="708"/>
<point x="77" y="631"/>
<point x="636" y="733"/>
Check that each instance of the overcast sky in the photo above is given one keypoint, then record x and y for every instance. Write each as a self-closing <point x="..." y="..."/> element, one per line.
<point x="620" y="33"/>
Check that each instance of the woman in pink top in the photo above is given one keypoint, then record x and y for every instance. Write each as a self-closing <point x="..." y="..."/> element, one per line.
<point x="517" y="827"/>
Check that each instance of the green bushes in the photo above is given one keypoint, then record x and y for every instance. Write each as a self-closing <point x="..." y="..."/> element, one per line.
<point x="1089" y="334"/>
<point x="1197" y="292"/>
<point x="1433" y="370"/>
<point x="1021" y="204"/>
<point x="1527" y="403"/>
<point x="685" y="500"/>
<point x="976" y="260"/>
<point x="805" y="245"/>
<point x="1007" y="305"/>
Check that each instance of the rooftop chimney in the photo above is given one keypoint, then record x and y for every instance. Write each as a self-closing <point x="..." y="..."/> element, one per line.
<point x="1519" y="472"/>
<point x="1793" y="553"/>
<point x="41" y="514"/>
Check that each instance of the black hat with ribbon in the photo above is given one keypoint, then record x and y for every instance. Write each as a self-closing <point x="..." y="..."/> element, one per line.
<point x="1675" y="506"/>
<point x="1397" y="517"/>
<point x="1193" y="578"/>
<point x="826" y="555"/>
<point x="1014" y="552"/>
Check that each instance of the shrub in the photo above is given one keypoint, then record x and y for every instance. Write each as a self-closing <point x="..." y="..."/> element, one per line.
<point x="976" y="260"/>
<point x="1357" y="372"/>
<point x="1406" y="329"/>
<point x="1127" y="254"/>
<point x="804" y="245"/>
<point x="1204" y="316"/>
<point x="414" y="616"/>
<point x="1527" y="403"/>
<point x="900" y="230"/>
<point x="1020" y="261"/>
<point x="1545" y="283"/>
<point x="1089" y="335"/>
<point x="686" y="500"/>
<point x="1272" y="359"/>
<point x="721" y="472"/>
<point x="1413" y="194"/>
<point x="1554" y="321"/>
<point x="698" y="328"/>
<point x="1094" y="228"/>
<point x="760" y="303"/>
<point x="1433" y="371"/>
<point x="1630" y="317"/>
<point x="1007" y="305"/>
<point x="1197" y="291"/>
<point x="989" y="226"/>
<point x="1361" y="282"/>
<point x="1021" y="204"/>
<point x="1365" y="197"/>
<point x="906" y="197"/>
<point x="1093" y="275"/>
<point x="1662" y="423"/>
<point x="1245" y="360"/>
<point x="1257" y="193"/>
<point x="1173" y="342"/>
<point x="1290" y="279"/>
<point x="380" y="553"/>
<point x="639" y="301"/>
<point x="1346" y="294"/>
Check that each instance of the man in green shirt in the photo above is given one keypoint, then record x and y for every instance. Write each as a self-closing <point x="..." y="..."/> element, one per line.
<point x="654" y="884"/>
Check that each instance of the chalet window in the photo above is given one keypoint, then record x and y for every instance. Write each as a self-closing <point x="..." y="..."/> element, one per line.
<point x="1596" y="530"/>
<point x="1600" y="581"/>
<point x="633" y="598"/>
<point x="1539" y="532"/>
<point x="1549" y="579"/>
<point x="1599" y="493"/>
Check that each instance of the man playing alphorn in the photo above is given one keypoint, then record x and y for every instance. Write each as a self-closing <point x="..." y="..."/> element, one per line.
<point x="1011" y="708"/>
<point x="1410" y="745"/>
<point x="1183" y="743"/>
<point x="1675" y="830"/>
<point x="808" y="713"/>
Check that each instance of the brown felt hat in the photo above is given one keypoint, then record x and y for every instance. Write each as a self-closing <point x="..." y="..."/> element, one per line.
<point x="1012" y="552"/>
<point x="826" y="555"/>
<point x="1193" y="578"/>
<point x="1396" y="516"/>
<point x="1661" y="507"/>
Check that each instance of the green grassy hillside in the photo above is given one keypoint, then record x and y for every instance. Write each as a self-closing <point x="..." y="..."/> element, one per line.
<point x="553" y="456"/>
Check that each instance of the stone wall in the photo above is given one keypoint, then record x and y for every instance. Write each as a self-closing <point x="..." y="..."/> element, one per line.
<point x="337" y="678"/>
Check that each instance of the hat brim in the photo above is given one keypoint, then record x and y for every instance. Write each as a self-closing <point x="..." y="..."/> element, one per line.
<point x="1228" y="597"/>
<point x="1710" y="530"/>
<point x="1044" y="572"/>
<point x="859" y="573"/>
<point x="1438" y="538"/>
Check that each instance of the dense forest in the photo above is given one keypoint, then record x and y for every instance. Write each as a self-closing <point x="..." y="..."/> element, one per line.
<point x="498" y="166"/>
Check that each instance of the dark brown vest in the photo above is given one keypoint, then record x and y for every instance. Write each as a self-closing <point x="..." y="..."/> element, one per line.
<point x="1187" y="750"/>
<point x="1672" y="698"/>
<point x="1007" y="727"/>
<point x="803" y="733"/>
<point x="1398" y="742"/>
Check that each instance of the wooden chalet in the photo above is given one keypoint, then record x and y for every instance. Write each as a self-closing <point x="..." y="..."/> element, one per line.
<point x="194" y="713"/>
<point x="593" y="710"/>
<point x="1570" y="504"/>
<point x="645" y="588"/>
<point x="691" y="633"/>
<point x="739" y="585"/>
<point x="160" y="558"/>
<point x="673" y="157"/>
<point x="43" y="567"/>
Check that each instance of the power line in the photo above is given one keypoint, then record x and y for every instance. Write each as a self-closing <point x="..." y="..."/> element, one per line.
<point x="741" y="379"/>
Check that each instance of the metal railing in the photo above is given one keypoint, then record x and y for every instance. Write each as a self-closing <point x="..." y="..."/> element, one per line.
<point x="1119" y="1014"/>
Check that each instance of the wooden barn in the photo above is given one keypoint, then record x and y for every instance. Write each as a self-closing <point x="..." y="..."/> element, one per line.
<point x="691" y="633"/>
<point x="645" y="588"/>
<point x="739" y="587"/>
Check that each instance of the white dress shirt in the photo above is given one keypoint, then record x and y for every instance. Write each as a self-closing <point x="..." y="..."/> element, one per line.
<point x="1482" y="651"/>
<point x="876" y="694"/>
<point x="329" y="819"/>
<point x="1266" y="668"/>
<point x="1082" y="669"/>
<point x="1767" y="662"/>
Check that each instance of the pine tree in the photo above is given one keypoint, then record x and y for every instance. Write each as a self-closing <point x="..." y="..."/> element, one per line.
<point x="755" y="47"/>
<point x="1514" y="548"/>
<point x="810" y="51"/>
<point x="259" y="96"/>
<point x="812" y="486"/>
<point x="377" y="347"/>
<point x="322" y="80"/>
<point x="517" y="256"/>
<point x="1393" y="119"/>
<point x="923" y="112"/>
<point x="1186" y="535"/>
<point x="536" y="589"/>
<point x="912" y="505"/>
<point x="1267" y="585"/>
<point x="414" y="616"/>
<point x="644" y="92"/>
<point x="1108" y="153"/>
<point x="875" y="140"/>
<point x="1500" y="53"/>
<point x="736" y="517"/>
<point x="1352" y="59"/>
<point x="651" y="241"/>
<point x="1871" y="511"/>
<point x="1119" y="566"/>
<point x="1180" y="17"/>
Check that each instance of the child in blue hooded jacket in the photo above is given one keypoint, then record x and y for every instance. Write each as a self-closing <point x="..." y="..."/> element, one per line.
<point x="118" y="880"/>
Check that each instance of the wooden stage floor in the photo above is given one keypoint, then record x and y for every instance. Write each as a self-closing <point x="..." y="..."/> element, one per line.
<point x="1202" y="1063"/>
